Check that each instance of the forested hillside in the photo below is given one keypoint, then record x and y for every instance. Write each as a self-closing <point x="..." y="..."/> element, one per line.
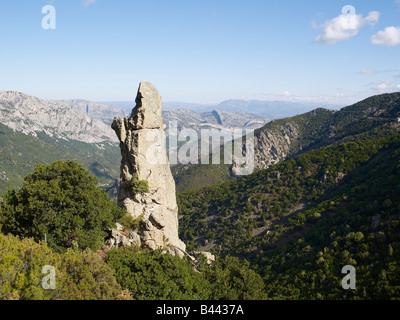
<point x="20" y="152"/>
<point x="301" y="221"/>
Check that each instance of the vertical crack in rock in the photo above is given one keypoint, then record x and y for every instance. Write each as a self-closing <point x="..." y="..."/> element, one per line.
<point x="144" y="157"/>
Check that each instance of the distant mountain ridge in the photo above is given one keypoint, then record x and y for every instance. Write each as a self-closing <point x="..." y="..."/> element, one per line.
<point x="69" y="121"/>
<point x="185" y="118"/>
<point x="261" y="108"/>
<point x="89" y="121"/>
<point x="215" y="119"/>
<point x="19" y="153"/>
<point x="270" y="109"/>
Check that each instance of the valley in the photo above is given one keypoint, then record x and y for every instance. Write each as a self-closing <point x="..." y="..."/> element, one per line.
<point x="324" y="194"/>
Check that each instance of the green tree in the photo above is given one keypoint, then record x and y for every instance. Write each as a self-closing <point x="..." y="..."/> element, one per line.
<point x="61" y="201"/>
<point x="233" y="279"/>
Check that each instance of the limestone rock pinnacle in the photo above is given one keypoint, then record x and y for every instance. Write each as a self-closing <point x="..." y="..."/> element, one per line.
<point x="144" y="158"/>
<point x="147" y="113"/>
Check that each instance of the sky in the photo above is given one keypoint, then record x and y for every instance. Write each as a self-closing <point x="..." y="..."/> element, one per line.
<point x="201" y="51"/>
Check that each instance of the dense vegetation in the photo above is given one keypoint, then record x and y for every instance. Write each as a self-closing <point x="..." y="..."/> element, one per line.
<point x="301" y="221"/>
<point x="190" y="177"/>
<point x="79" y="275"/>
<point x="358" y="225"/>
<point x="60" y="201"/>
<point x="154" y="275"/>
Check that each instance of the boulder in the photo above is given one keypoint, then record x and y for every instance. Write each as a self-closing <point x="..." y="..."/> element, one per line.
<point x="210" y="258"/>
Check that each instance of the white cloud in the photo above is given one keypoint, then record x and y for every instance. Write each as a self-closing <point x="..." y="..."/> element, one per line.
<point x="87" y="3"/>
<point x="388" y="37"/>
<point x="383" y="86"/>
<point x="344" y="27"/>
<point x="370" y="71"/>
<point x="367" y="71"/>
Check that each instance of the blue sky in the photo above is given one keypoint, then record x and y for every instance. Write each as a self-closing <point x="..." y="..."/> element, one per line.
<point x="202" y="51"/>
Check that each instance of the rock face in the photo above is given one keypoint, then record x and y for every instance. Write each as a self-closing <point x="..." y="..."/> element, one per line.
<point x="95" y="110"/>
<point x="144" y="158"/>
<point x="273" y="146"/>
<point x="284" y="138"/>
<point x="31" y="115"/>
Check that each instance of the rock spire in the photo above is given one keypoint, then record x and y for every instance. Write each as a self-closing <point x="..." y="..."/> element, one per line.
<point x="147" y="188"/>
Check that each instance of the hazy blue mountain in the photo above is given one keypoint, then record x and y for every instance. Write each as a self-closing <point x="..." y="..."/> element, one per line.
<point x="270" y="109"/>
<point x="267" y="109"/>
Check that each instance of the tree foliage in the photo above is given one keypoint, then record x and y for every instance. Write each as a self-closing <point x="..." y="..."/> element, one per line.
<point x="155" y="275"/>
<point x="301" y="221"/>
<point x="62" y="202"/>
<point x="232" y="278"/>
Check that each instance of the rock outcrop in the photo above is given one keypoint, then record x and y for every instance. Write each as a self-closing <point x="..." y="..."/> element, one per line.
<point x="274" y="146"/>
<point x="144" y="160"/>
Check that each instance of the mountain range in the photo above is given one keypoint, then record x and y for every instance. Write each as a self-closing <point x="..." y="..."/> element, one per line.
<point x="324" y="193"/>
<point x="214" y="119"/>
<point x="262" y="108"/>
<point x="284" y="138"/>
<point x="31" y="115"/>
<point x="81" y="130"/>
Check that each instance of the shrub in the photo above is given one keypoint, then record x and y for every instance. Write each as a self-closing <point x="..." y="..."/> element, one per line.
<point x="233" y="279"/>
<point x="137" y="186"/>
<point x="79" y="275"/>
<point x="129" y="222"/>
<point x="153" y="275"/>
